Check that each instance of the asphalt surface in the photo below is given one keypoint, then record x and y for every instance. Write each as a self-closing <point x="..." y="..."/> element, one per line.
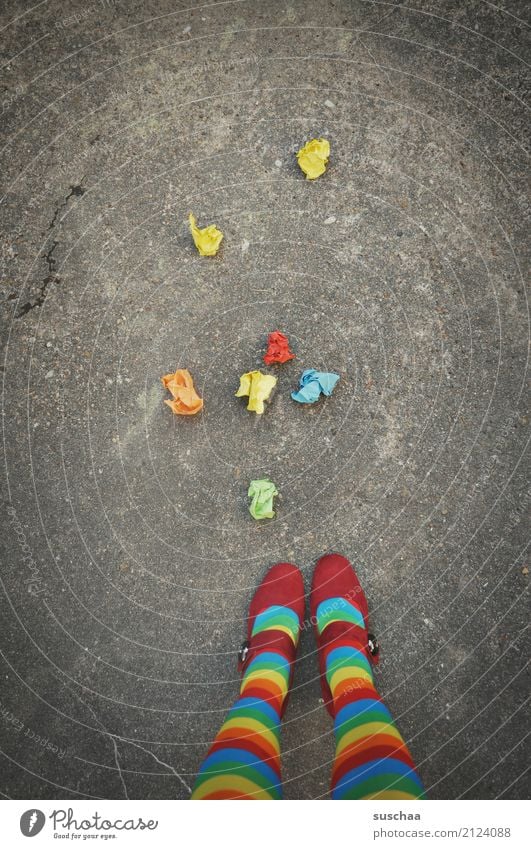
<point x="128" y="553"/>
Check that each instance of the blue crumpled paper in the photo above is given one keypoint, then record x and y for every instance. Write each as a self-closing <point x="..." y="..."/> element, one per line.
<point x="312" y="383"/>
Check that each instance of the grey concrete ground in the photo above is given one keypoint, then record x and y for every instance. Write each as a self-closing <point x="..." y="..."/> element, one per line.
<point x="128" y="555"/>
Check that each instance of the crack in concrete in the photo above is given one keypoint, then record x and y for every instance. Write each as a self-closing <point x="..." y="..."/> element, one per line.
<point x="118" y="767"/>
<point x="115" y="737"/>
<point x="162" y="763"/>
<point x="106" y="733"/>
<point x="76" y="190"/>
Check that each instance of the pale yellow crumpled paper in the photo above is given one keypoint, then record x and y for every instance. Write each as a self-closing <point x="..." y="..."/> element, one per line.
<point x="258" y="387"/>
<point x="313" y="158"/>
<point x="207" y="240"/>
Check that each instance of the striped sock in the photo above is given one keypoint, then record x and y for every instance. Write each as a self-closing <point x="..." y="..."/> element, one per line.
<point x="244" y="760"/>
<point x="372" y="760"/>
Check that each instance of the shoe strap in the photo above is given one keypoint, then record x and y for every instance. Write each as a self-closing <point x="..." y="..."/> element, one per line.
<point x="269" y="640"/>
<point x="346" y="633"/>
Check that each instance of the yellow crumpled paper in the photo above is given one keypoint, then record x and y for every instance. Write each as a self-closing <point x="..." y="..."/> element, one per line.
<point x="313" y="158"/>
<point x="258" y="387"/>
<point x="207" y="240"/>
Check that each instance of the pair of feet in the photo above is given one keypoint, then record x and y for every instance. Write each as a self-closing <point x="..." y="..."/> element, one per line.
<point x="338" y="613"/>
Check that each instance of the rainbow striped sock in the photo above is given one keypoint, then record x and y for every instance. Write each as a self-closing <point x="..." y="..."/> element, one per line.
<point x="244" y="760"/>
<point x="372" y="760"/>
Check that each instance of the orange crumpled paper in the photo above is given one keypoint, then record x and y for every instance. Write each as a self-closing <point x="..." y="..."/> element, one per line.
<point x="186" y="401"/>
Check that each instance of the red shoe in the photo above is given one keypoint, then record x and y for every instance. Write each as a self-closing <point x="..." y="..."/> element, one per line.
<point x="282" y="585"/>
<point x="334" y="577"/>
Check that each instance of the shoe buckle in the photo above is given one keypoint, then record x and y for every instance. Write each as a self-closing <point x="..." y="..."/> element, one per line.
<point x="243" y="651"/>
<point x="373" y="645"/>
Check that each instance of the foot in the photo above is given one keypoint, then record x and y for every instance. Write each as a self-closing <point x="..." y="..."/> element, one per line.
<point x="275" y="617"/>
<point x="340" y="614"/>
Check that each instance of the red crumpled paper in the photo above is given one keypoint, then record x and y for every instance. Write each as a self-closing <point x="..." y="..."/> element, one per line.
<point x="278" y="350"/>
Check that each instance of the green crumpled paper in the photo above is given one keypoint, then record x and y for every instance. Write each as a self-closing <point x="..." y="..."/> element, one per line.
<point x="262" y="493"/>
